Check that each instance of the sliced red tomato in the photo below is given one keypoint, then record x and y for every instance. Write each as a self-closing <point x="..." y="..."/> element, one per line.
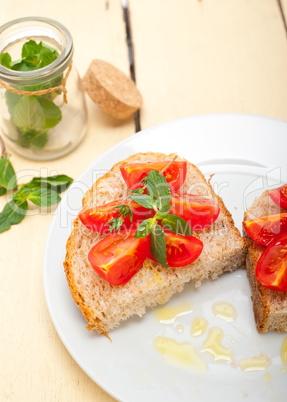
<point x="264" y="229"/>
<point x="117" y="258"/>
<point x="271" y="269"/>
<point x="279" y="196"/>
<point x="133" y="173"/>
<point x="181" y="250"/>
<point x="96" y="218"/>
<point x="200" y="212"/>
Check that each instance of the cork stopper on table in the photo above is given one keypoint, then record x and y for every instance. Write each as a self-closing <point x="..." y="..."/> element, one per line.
<point x="114" y="92"/>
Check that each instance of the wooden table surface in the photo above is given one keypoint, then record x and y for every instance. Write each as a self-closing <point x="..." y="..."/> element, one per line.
<point x="191" y="57"/>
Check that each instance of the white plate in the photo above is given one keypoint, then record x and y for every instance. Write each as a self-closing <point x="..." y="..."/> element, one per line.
<point x="248" y="155"/>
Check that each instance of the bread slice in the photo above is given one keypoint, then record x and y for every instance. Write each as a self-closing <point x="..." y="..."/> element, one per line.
<point x="105" y="306"/>
<point x="269" y="306"/>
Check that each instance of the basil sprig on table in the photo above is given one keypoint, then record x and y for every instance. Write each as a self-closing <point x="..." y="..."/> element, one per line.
<point x="157" y="197"/>
<point x="33" y="115"/>
<point x="42" y="191"/>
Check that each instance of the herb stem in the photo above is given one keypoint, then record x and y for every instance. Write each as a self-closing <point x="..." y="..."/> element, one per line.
<point x="3" y="148"/>
<point x="168" y="165"/>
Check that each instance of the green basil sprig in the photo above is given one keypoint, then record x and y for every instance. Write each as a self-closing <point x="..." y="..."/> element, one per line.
<point x="7" y="176"/>
<point x="7" y="173"/>
<point x="12" y="214"/>
<point x="157" y="197"/>
<point x="175" y="224"/>
<point x="41" y="191"/>
<point x="158" y="245"/>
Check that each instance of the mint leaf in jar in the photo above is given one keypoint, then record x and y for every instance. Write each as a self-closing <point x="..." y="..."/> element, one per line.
<point x="11" y="100"/>
<point x="31" y="51"/>
<point x="52" y="112"/>
<point x="5" y="60"/>
<point x="32" y="138"/>
<point x="47" y="55"/>
<point x="34" y="56"/>
<point x="33" y="115"/>
<point x="28" y="114"/>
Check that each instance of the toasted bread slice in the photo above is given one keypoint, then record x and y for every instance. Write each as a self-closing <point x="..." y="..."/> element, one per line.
<point x="269" y="306"/>
<point x="105" y="306"/>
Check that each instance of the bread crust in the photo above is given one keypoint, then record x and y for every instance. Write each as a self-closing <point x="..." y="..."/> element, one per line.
<point x="152" y="284"/>
<point x="269" y="306"/>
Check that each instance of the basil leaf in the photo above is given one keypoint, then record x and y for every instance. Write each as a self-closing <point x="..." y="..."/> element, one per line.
<point x="145" y="228"/>
<point x="131" y="215"/>
<point x="21" y="195"/>
<point x="28" y="114"/>
<point x="158" y="245"/>
<point x="163" y="212"/>
<point x="144" y="200"/>
<point x="7" y="175"/>
<point x="137" y="191"/>
<point x="2" y="190"/>
<point x="12" y="214"/>
<point x="158" y="188"/>
<point x="176" y="224"/>
<point x="44" y="197"/>
<point x="52" y="112"/>
<point x="58" y="183"/>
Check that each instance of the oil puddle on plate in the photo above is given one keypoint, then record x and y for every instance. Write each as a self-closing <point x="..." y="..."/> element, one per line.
<point x="180" y="354"/>
<point x="187" y="354"/>
<point x="168" y="315"/>
<point x="198" y="327"/>
<point x="254" y="363"/>
<point x="284" y="352"/>
<point x="225" y="311"/>
<point x="213" y="346"/>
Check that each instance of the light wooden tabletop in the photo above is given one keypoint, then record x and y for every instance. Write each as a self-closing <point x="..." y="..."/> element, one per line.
<point x="191" y="57"/>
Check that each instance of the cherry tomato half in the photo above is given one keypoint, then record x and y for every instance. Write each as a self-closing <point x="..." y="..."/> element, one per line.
<point x="117" y="258"/>
<point x="181" y="250"/>
<point x="271" y="269"/>
<point x="96" y="218"/>
<point x="279" y="196"/>
<point x="264" y="229"/>
<point x="133" y="173"/>
<point x="200" y="212"/>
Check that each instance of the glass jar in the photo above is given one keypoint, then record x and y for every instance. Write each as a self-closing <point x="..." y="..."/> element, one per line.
<point x="35" y="120"/>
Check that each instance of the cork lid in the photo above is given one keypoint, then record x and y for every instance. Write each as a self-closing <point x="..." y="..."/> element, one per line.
<point x="113" y="91"/>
